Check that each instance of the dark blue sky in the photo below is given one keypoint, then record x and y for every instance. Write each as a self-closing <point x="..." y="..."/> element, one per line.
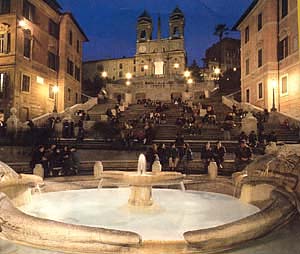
<point x="111" y="24"/>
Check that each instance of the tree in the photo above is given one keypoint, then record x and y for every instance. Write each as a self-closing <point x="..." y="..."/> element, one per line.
<point x="195" y="71"/>
<point x="220" y="31"/>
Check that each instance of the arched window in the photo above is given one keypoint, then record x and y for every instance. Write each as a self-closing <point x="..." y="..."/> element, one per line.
<point x="176" y="32"/>
<point x="143" y="35"/>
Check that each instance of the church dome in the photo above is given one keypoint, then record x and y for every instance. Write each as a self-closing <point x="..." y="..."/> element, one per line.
<point x="145" y="16"/>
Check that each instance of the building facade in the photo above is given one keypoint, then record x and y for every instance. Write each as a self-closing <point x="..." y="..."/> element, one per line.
<point x="224" y="54"/>
<point x="157" y="61"/>
<point x="270" y="55"/>
<point x="40" y="48"/>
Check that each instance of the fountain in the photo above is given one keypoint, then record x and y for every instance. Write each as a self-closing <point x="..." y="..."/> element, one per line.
<point x="103" y="221"/>
<point x="141" y="182"/>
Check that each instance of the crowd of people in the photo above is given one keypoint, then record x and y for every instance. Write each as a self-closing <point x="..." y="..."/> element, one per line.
<point x="55" y="160"/>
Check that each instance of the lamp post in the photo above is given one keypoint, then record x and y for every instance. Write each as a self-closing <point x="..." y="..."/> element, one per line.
<point x="189" y="83"/>
<point x="55" y="90"/>
<point x="273" y="109"/>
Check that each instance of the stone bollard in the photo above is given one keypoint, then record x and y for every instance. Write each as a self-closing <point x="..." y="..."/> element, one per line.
<point x="156" y="167"/>
<point x="39" y="170"/>
<point x="98" y="169"/>
<point x="212" y="171"/>
<point x="249" y="123"/>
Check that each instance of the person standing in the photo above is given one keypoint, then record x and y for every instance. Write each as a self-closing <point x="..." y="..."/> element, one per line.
<point x="173" y="157"/>
<point x="206" y="156"/>
<point x="163" y="155"/>
<point x="219" y="153"/>
<point x="187" y="157"/>
<point x="75" y="160"/>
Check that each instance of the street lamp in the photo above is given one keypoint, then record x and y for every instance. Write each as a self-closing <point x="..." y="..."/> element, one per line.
<point x="128" y="75"/>
<point x="217" y="71"/>
<point x="176" y="65"/>
<point x="55" y="90"/>
<point x="190" y="81"/>
<point x="104" y="74"/>
<point x="187" y="74"/>
<point x="22" y="23"/>
<point x="274" y="84"/>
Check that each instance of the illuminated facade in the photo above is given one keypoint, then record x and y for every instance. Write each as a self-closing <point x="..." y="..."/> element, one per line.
<point x="155" y="58"/>
<point x="40" y="48"/>
<point x="270" y="55"/>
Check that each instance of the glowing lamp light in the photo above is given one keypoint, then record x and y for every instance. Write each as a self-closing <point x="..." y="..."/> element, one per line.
<point x="128" y="83"/>
<point x="22" y="23"/>
<point x="234" y="69"/>
<point x="40" y="80"/>
<point x="273" y="83"/>
<point x="55" y="89"/>
<point x="146" y="67"/>
<point x="104" y="74"/>
<point x="128" y="75"/>
<point x="176" y="65"/>
<point x="187" y="74"/>
<point x="217" y="71"/>
<point x="190" y="81"/>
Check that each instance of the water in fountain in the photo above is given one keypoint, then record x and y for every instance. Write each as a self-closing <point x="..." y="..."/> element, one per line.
<point x="141" y="169"/>
<point x="100" y="184"/>
<point x="182" y="187"/>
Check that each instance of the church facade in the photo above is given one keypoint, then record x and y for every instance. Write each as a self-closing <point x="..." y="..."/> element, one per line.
<point x="157" y="68"/>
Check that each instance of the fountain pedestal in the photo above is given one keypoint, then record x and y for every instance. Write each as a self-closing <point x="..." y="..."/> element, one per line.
<point x="140" y="196"/>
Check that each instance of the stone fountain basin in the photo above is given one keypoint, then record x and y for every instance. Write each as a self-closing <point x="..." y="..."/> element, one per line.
<point x="277" y="208"/>
<point x="148" y="179"/>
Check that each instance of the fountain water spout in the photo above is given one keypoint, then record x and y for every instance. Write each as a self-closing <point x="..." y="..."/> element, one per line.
<point x="141" y="169"/>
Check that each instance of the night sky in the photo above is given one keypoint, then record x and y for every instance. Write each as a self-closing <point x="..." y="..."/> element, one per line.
<point x="111" y="24"/>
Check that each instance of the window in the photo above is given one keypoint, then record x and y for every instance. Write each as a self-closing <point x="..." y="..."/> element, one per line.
<point x="77" y="73"/>
<point x="284" y="8"/>
<point x="70" y="67"/>
<point x="76" y="98"/>
<point x="4" y="79"/>
<point x="247" y="34"/>
<point x="78" y="46"/>
<point x="69" y="94"/>
<point x="27" y="47"/>
<point x="53" y="29"/>
<point x="259" y="58"/>
<point x="5" y="43"/>
<point x="52" y="61"/>
<point x="134" y="69"/>
<point x="4" y="6"/>
<point x="143" y="35"/>
<point x="120" y="74"/>
<point x="70" y="37"/>
<point x="248" y="95"/>
<point x="120" y="66"/>
<point x="284" y="85"/>
<point x="51" y="93"/>
<point x="283" y="49"/>
<point x="247" y="67"/>
<point x="25" y="85"/>
<point x="260" y="91"/>
<point x="259" y="22"/>
<point x="28" y="10"/>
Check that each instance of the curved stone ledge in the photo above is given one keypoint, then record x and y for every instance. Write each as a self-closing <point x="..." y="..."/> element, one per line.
<point x="277" y="212"/>
<point x="19" y="227"/>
